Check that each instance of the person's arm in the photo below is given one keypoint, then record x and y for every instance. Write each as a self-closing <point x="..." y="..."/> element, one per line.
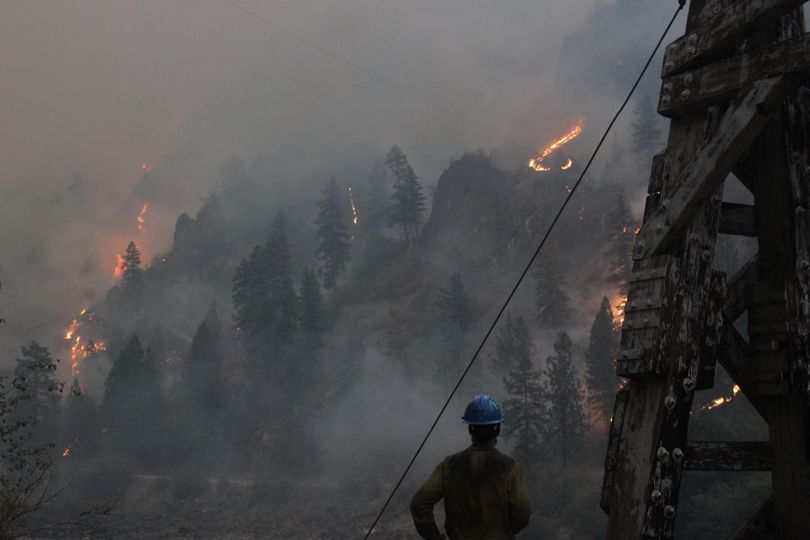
<point x="423" y="502"/>
<point x="519" y="504"/>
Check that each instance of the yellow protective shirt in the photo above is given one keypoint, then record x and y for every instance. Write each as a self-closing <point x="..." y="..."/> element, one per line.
<point x="485" y="497"/>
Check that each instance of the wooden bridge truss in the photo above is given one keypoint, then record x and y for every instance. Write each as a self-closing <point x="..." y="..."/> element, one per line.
<point x="735" y="87"/>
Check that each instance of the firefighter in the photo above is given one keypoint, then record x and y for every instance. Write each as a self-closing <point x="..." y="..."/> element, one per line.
<point x="484" y="492"/>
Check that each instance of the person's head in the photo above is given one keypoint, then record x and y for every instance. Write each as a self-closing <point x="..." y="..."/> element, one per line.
<point x="483" y="417"/>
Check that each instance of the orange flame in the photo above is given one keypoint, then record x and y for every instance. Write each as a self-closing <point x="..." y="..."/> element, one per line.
<point x="722" y="400"/>
<point x="567" y="165"/>
<point x="142" y="217"/>
<point x="536" y="163"/>
<point x="118" y="271"/>
<point x="355" y="219"/>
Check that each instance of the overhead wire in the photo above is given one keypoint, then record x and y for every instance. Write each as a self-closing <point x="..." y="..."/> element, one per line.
<point x="534" y="256"/>
<point x="486" y="129"/>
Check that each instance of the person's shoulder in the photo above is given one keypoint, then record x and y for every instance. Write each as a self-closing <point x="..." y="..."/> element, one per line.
<point x="512" y="462"/>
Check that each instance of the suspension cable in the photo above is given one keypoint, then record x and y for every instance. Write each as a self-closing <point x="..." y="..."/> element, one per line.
<point x="520" y="279"/>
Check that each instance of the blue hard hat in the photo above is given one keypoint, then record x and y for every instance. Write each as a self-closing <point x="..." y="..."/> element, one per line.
<point x="482" y="411"/>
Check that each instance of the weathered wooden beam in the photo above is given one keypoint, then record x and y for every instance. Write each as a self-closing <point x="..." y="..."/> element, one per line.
<point x="738" y="219"/>
<point x="723" y="32"/>
<point x="759" y="526"/>
<point x="738" y="128"/>
<point x="727" y="456"/>
<point x="736" y="288"/>
<point x="701" y="87"/>
<point x="614" y="443"/>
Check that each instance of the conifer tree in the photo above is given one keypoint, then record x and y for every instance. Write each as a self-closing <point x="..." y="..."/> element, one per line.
<point x="525" y="408"/>
<point x="38" y="389"/>
<point x="646" y="127"/>
<point x="409" y="202"/>
<point x="621" y="233"/>
<point x="283" y="301"/>
<point x="132" y="272"/>
<point x="251" y="298"/>
<point x="566" y="426"/>
<point x="133" y="404"/>
<point x="313" y="312"/>
<point x="376" y="200"/>
<point x="202" y="373"/>
<point x="600" y="373"/>
<point x="456" y="317"/>
<point x="550" y="298"/>
<point x="333" y="249"/>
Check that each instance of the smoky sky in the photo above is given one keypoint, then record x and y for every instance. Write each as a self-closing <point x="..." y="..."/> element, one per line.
<point x="99" y="89"/>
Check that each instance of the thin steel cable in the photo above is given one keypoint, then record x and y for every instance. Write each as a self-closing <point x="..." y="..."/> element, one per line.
<point x="380" y="78"/>
<point x="528" y="266"/>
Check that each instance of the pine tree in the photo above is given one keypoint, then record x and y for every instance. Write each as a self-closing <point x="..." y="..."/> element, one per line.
<point x="283" y="301"/>
<point x="621" y="233"/>
<point x="646" y="127"/>
<point x="566" y="426"/>
<point x="202" y="373"/>
<point x="376" y="200"/>
<point x="409" y="202"/>
<point x="600" y="373"/>
<point x="334" y="248"/>
<point x="456" y="317"/>
<point x="251" y="298"/>
<point x="38" y="391"/>
<point x="524" y="409"/>
<point x="550" y="298"/>
<point x="132" y="273"/>
<point x="133" y="407"/>
<point x="313" y="313"/>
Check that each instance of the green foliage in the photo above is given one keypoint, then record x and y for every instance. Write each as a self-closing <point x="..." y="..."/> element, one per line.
<point x="600" y="372"/>
<point x="550" y="298"/>
<point x="28" y="411"/>
<point x="566" y="427"/>
<point x="409" y="202"/>
<point x="334" y="248"/>
<point x="524" y="410"/>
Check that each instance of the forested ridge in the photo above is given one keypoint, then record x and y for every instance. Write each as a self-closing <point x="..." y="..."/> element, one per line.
<point x="270" y="373"/>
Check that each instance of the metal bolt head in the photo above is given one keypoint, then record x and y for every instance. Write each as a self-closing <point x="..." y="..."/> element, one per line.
<point x="663" y="454"/>
<point x="669" y="65"/>
<point x="688" y="384"/>
<point x="657" y="497"/>
<point x="668" y="87"/>
<point x="688" y="78"/>
<point x="691" y="50"/>
<point x="670" y="402"/>
<point x="677" y="455"/>
<point x="692" y="39"/>
<point x="665" y="99"/>
<point x="796" y="157"/>
<point x="669" y="511"/>
<point x="665" y="204"/>
<point x="685" y="95"/>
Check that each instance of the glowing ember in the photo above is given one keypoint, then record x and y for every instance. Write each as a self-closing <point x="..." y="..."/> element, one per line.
<point x="619" y="305"/>
<point x="146" y="168"/>
<point x="355" y="219"/>
<point x="567" y="165"/>
<point x="536" y="163"/>
<point x="722" y="400"/>
<point x="66" y="452"/>
<point x="142" y="217"/>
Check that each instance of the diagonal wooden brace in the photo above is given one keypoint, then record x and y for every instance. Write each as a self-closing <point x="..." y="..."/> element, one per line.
<point x="737" y="130"/>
